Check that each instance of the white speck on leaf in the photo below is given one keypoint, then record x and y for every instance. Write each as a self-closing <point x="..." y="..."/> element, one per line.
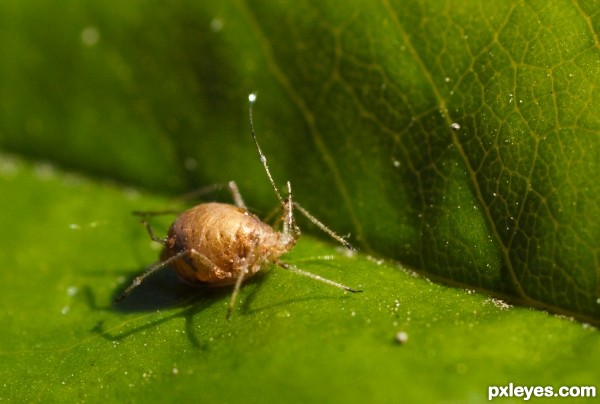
<point x="90" y="35"/>
<point x="216" y="25"/>
<point x="401" y="337"/>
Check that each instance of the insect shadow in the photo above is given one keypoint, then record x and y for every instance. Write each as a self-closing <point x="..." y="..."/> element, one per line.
<point x="167" y="292"/>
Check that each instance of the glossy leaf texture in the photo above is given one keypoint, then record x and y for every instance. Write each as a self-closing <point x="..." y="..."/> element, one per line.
<point x="459" y="138"/>
<point x="70" y="246"/>
<point x="462" y="140"/>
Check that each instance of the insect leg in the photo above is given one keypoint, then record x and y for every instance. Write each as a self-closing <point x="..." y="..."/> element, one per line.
<point x="298" y="271"/>
<point x="205" y="260"/>
<point x="139" y="279"/>
<point x="324" y="228"/>
<point x="148" y="213"/>
<point x="163" y="241"/>
<point x="236" y="289"/>
<point x="236" y="195"/>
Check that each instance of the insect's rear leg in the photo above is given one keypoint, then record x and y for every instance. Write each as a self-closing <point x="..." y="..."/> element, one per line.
<point x="146" y="224"/>
<point x="205" y="261"/>
<point x="195" y="195"/>
<point x="163" y="264"/>
<point x="148" y="213"/>
<point x="137" y="281"/>
<point x="233" y="190"/>
<point x="163" y="241"/>
<point x="199" y="193"/>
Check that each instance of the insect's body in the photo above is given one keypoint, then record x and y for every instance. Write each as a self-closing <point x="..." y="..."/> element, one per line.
<point x="219" y="244"/>
<point x="226" y="240"/>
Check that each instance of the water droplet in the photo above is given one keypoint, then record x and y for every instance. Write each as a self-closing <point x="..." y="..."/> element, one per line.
<point x="191" y="164"/>
<point x="90" y="35"/>
<point x="401" y="337"/>
<point x="216" y="25"/>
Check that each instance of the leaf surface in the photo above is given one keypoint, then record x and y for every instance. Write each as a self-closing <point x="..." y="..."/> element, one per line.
<point x="290" y="338"/>
<point x="459" y="139"/>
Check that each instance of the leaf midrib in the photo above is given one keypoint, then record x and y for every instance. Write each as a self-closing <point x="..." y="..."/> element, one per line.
<point x="458" y="145"/>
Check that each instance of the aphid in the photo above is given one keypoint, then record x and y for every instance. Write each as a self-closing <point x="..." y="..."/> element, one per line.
<point x="219" y="244"/>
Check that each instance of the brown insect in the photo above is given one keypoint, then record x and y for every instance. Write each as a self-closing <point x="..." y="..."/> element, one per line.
<point x="219" y="244"/>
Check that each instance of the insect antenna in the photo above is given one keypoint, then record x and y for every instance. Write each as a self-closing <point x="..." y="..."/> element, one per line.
<point x="263" y="158"/>
<point x="287" y="204"/>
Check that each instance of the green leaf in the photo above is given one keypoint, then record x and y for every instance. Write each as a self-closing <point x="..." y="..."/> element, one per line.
<point x="290" y="339"/>
<point x="457" y="138"/>
<point x="359" y="101"/>
<point x="504" y="202"/>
